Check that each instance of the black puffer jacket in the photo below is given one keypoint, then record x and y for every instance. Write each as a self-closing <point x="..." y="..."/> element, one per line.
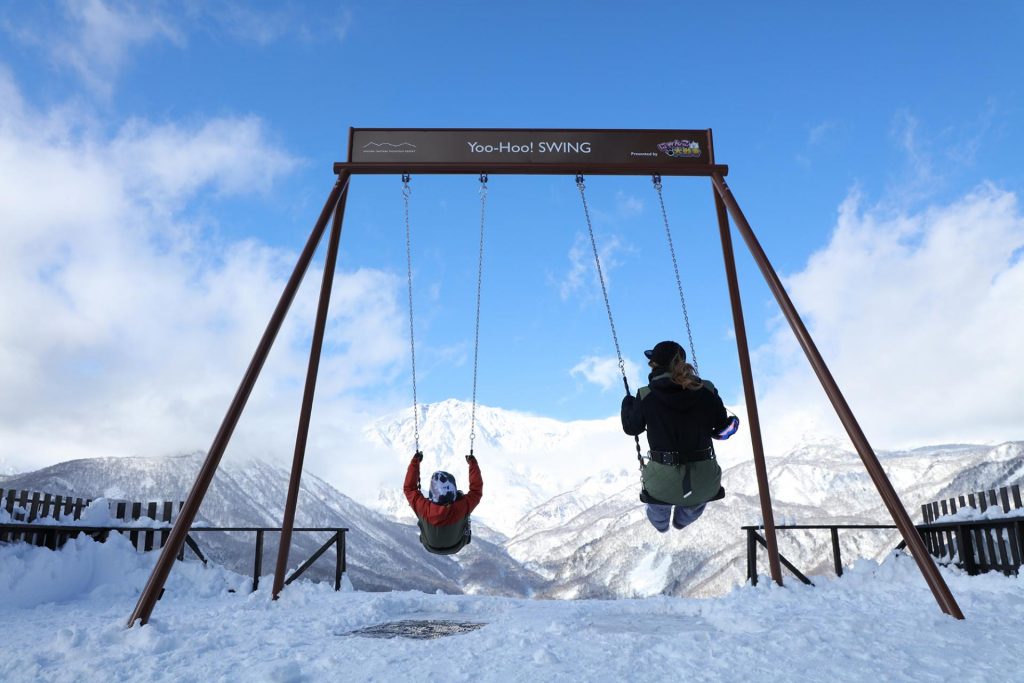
<point x="676" y="419"/>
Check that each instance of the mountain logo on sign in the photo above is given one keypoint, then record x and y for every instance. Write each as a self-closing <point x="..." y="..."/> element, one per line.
<point x="389" y="147"/>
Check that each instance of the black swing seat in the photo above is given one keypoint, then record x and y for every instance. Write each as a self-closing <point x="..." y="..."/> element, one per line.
<point x="651" y="500"/>
<point x="439" y="540"/>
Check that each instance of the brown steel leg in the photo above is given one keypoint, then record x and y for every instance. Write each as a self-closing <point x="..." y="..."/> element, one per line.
<point x="756" y="443"/>
<point x="307" y="396"/>
<point x="885" y="489"/>
<point x="154" y="586"/>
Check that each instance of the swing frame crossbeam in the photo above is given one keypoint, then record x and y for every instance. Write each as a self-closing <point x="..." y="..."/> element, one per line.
<point x="571" y="152"/>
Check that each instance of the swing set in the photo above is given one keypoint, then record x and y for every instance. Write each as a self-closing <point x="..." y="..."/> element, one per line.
<point x="571" y="152"/>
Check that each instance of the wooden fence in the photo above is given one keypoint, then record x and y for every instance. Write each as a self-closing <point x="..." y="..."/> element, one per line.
<point x="32" y="506"/>
<point x="977" y="545"/>
<point x="1007" y="498"/>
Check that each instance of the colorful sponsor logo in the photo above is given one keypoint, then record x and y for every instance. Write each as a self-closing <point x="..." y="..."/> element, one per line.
<point x="680" y="149"/>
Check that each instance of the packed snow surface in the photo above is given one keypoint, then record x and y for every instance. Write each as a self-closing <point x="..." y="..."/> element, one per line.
<point x="64" y="614"/>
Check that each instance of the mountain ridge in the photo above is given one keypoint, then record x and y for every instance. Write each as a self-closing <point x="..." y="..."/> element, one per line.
<point x="555" y="523"/>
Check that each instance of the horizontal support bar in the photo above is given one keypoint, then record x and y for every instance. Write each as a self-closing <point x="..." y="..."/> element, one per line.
<point x="69" y="527"/>
<point x="825" y="526"/>
<point x="1004" y="523"/>
<point x="356" y="167"/>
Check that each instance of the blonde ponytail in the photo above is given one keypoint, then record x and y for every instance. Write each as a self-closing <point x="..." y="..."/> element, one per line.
<point x="683" y="374"/>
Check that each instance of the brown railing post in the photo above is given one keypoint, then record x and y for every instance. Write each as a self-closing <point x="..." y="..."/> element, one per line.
<point x="965" y="546"/>
<point x="339" y="558"/>
<point x="257" y="565"/>
<point x="751" y="557"/>
<point x="306" y="411"/>
<point x="943" y="596"/>
<point x="1018" y="539"/>
<point x="154" y="586"/>
<point x="836" y="557"/>
<point x="753" y="418"/>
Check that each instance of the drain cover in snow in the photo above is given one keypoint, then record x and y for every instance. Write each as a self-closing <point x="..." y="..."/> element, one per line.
<point x="421" y="630"/>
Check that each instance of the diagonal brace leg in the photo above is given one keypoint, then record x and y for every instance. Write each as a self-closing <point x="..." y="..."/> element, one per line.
<point x="154" y="586"/>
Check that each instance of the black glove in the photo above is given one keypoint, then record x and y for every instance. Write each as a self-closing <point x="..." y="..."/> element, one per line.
<point x="418" y="456"/>
<point x="470" y="458"/>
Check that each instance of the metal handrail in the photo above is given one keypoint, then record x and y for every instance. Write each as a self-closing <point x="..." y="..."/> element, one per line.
<point x="754" y="538"/>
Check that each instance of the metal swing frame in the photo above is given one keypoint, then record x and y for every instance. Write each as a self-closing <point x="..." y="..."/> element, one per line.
<point x="534" y="152"/>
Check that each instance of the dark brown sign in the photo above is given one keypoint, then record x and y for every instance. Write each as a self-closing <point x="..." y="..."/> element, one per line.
<point x="538" y="147"/>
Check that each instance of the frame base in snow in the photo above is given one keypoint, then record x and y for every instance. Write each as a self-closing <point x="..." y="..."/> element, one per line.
<point x="419" y="630"/>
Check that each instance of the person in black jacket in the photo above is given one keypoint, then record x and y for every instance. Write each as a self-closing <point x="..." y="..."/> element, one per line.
<point x="681" y="414"/>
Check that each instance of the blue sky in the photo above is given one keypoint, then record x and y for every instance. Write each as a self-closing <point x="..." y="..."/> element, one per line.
<point x="164" y="162"/>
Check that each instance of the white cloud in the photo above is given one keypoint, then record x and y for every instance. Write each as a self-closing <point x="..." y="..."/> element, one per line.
<point x="818" y="133"/>
<point x="95" y="39"/>
<point x="628" y="205"/>
<point x="605" y="372"/>
<point x="582" y="274"/>
<point x="267" y="25"/>
<point x="920" y="318"/>
<point x="102" y="35"/>
<point x="230" y="156"/>
<point x="123" y="331"/>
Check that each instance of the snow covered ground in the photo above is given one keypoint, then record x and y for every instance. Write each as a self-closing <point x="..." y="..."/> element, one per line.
<point x="64" y="614"/>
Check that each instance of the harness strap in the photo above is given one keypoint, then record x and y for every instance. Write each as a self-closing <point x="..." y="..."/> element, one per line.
<point x="687" y="483"/>
<point x="677" y="458"/>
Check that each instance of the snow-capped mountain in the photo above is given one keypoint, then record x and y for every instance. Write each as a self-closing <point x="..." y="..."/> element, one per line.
<point x="560" y="515"/>
<point x="382" y="554"/>
<point x="566" y="495"/>
<point x="608" y="549"/>
<point x="526" y="460"/>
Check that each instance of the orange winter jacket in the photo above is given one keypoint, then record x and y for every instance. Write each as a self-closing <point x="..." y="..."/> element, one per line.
<point x="443" y="515"/>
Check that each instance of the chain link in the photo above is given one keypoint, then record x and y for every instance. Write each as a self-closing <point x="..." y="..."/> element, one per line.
<point x="406" y="191"/>
<point x="479" y="286"/>
<point x="600" y="276"/>
<point x="675" y="267"/>
<point x="607" y="304"/>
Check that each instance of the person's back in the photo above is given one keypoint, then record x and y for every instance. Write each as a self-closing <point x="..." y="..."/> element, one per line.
<point x="680" y="413"/>
<point x="443" y="518"/>
<point x="677" y="419"/>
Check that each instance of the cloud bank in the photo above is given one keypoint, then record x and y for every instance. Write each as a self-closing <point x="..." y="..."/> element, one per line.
<point x="919" y="316"/>
<point x="124" y="329"/>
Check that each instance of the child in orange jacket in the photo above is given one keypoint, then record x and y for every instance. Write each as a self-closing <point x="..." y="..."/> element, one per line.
<point x="446" y="504"/>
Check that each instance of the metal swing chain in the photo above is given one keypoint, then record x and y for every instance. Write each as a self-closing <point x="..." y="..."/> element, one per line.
<point x="479" y="283"/>
<point x="675" y="267"/>
<point x="406" y="191"/>
<point x="607" y="305"/>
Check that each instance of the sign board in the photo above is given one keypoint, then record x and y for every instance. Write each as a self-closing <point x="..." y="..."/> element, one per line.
<point x="538" y="147"/>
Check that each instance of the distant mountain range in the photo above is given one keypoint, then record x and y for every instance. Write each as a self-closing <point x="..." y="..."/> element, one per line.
<point x="383" y="554"/>
<point x="560" y="516"/>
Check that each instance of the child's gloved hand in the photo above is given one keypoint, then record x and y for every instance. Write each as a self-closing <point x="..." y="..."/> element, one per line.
<point x="418" y="456"/>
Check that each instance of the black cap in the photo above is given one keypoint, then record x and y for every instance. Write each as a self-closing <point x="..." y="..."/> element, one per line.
<point x="663" y="353"/>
